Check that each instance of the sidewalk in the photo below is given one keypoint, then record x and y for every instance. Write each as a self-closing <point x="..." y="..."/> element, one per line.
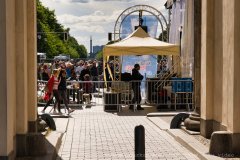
<point x="188" y="141"/>
<point x="91" y="133"/>
<point x="95" y="134"/>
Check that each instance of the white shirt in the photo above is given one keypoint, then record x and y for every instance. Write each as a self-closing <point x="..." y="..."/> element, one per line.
<point x="55" y="83"/>
<point x="78" y="69"/>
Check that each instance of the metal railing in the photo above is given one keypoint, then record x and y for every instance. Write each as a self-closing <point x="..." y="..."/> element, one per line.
<point x="169" y="73"/>
<point x="173" y="94"/>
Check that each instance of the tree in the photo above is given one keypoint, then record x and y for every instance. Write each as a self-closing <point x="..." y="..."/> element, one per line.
<point x="52" y="36"/>
<point x="99" y="55"/>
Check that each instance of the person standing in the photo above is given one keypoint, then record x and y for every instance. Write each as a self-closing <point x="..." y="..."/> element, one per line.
<point x="79" y="68"/>
<point x="45" y="73"/>
<point x="94" y="74"/>
<point x="62" y="89"/>
<point x="136" y="83"/>
<point x="85" y="71"/>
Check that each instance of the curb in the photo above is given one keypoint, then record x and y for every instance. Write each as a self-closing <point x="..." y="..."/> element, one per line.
<point x="186" y="140"/>
<point x="55" y="137"/>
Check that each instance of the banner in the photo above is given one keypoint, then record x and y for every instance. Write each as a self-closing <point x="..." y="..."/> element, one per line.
<point x="148" y="68"/>
<point x="148" y="64"/>
<point x="129" y="23"/>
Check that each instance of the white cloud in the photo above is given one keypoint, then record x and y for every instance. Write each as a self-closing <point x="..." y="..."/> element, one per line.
<point x="82" y="38"/>
<point x="80" y="1"/>
<point x="113" y="0"/>
<point x="69" y="1"/>
<point x="93" y="17"/>
<point x="97" y="17"/>
<point x="89" y="28"/>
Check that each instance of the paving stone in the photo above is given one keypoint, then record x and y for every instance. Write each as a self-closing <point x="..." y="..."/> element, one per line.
<point x="95" y="134"/>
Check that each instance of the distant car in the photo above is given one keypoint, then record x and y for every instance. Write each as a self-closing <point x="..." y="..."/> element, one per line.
<point x="62" y="57"/>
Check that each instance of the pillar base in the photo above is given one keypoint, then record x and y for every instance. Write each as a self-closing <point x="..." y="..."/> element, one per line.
<point x="236" y="144"/>
<point x="192" y="123"/>
<point x="31" y="144"/>
<point x="225" y="144"/>
<point x="221" y="143"/>
<point x="207" y="127"/>
<point x="32" y="126"/>
<point x="9" y="157"/>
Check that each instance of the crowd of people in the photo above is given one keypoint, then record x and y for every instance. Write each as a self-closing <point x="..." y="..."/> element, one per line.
<point x="59" y="72"/>
<point x="74" y="70"/>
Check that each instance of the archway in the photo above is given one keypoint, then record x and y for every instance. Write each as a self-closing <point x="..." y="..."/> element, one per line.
<point x="146" y="8"/>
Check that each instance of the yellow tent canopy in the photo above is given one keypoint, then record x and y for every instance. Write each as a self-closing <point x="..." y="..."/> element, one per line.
<point x="140" y="43"/>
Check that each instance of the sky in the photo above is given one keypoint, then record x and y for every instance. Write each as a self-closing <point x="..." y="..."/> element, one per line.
<point x="94" y="18"/>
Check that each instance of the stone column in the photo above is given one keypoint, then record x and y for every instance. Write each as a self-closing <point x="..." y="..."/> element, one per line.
<point x="236" y="79"/>
<point x="21" y="77"/>
<point x="7" y="79"/>
<point x="197" y="54"/>
<point x="207" y="67"/>
<point x="187" y="49"/>
<point x="21" y="66"/>
<point x="228" y="142"/>
<point x="218" y="65"/>
<point x="228" y="64"/>
<point x="32" y="65"/>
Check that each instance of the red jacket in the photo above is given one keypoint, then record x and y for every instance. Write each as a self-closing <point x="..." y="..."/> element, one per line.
<point x="50" y="84"/>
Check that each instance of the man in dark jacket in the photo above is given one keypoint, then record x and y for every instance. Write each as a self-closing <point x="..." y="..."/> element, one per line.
<point x="136" y="83"/>
<point x="85" y="71"/>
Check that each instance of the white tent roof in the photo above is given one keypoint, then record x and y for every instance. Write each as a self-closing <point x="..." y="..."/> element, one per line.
<point x="140" y="43"/>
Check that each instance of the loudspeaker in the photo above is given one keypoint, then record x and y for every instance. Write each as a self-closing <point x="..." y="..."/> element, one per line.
<point x="109" y="36"/>
<point x="111" y="101"/>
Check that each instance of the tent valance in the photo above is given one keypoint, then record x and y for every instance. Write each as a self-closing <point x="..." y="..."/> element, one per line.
<point x="140" y="43"/>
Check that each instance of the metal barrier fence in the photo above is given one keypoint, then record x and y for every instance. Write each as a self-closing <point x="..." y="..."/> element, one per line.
<point x="167" y="94"/>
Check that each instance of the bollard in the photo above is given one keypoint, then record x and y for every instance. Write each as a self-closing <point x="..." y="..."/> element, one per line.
<point x="139" y="143"/>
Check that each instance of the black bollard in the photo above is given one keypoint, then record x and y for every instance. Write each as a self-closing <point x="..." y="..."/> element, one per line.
<point x="139" y="142"/>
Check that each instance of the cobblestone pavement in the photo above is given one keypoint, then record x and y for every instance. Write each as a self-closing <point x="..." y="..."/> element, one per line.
<point x="95" y="134"/>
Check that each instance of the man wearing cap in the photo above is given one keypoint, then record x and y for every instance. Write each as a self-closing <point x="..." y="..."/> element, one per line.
<point x="136" y="83"/>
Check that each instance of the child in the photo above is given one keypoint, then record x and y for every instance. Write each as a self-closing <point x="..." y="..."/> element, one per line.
<point x="87" y="88"/>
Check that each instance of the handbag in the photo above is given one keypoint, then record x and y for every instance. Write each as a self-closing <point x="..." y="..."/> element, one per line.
<point x="47" y="96"/>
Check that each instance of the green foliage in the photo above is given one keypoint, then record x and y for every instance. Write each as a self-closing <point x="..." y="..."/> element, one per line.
<point x="99" y="55"/>
<point x="54" y="43"/>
